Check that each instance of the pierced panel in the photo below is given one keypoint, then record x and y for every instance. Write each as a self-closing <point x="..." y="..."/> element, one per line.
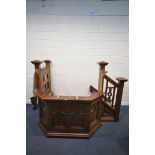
<point x="48" y="85"/>
<point x="45" y="88"/>
<point x="109" y="91"/>
<point x="43" y="78"/>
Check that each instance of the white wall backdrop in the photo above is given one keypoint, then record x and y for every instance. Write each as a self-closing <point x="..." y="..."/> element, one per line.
<point x="75" y="35"/>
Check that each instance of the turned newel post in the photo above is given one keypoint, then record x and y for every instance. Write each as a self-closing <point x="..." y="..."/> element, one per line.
<point x="102" y="73"/>
<point x="121" y="81"/>
<point x="48" y="63"/>
<point x="37" y="83"/>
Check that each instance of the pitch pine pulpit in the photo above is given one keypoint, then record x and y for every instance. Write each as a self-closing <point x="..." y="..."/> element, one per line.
<point x="75" y="116"/>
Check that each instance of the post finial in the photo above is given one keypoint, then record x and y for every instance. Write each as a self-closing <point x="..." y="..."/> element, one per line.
<point x="47" y="61"/>
<point x="103" y="63"/>
<point x="121" y="79"/>
<point x="36" y="63"/>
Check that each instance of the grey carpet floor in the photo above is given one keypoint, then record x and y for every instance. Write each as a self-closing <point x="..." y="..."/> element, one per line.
<point x="112" y="138"/>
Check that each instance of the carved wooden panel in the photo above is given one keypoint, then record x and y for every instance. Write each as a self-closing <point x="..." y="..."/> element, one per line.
<point x="94" y="111"/>
<point x="42" y="112"/>
<point x="67" y="116"/>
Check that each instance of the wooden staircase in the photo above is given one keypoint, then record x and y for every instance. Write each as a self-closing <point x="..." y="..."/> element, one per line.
<point x="112" y="94"/>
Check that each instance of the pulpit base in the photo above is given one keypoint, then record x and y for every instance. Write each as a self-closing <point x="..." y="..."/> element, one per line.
<point x="70" y="134"/>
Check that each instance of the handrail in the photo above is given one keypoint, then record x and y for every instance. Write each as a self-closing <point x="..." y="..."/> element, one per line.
<point x="111" y="80"/>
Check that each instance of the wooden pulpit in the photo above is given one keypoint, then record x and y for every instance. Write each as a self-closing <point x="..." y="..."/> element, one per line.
<point x="75" y="116"/>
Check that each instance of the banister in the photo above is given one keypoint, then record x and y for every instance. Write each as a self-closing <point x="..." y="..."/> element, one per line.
<point x="110" y="99"/>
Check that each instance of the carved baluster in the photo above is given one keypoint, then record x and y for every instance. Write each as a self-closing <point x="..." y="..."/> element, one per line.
<point x="113" y="97"/>
<point x="121" y="81"/>
<point x="102" y="73"/>
<point x="106" y="89"/>
<point x="109" y="95"/>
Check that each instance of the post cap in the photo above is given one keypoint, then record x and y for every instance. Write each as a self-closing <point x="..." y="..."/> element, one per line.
<point x="36" y="62"/>
<point x="47" y="61"/>
<point x="121" y="79"/>
<point x="103" y="63"/>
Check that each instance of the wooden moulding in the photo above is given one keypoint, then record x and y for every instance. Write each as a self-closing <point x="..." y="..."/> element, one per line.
<point x="73" y="116"/>
<point x="69" y="134"/>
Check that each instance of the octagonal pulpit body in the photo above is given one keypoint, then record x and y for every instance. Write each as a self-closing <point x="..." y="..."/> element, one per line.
<point x="69" y="116"/>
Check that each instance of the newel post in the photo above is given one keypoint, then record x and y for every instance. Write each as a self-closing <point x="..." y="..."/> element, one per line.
<point x="48" y="63"/>
<point x="102" y="73"/>
<point x="121" y="81"/>
<point x="37" y="80"/>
